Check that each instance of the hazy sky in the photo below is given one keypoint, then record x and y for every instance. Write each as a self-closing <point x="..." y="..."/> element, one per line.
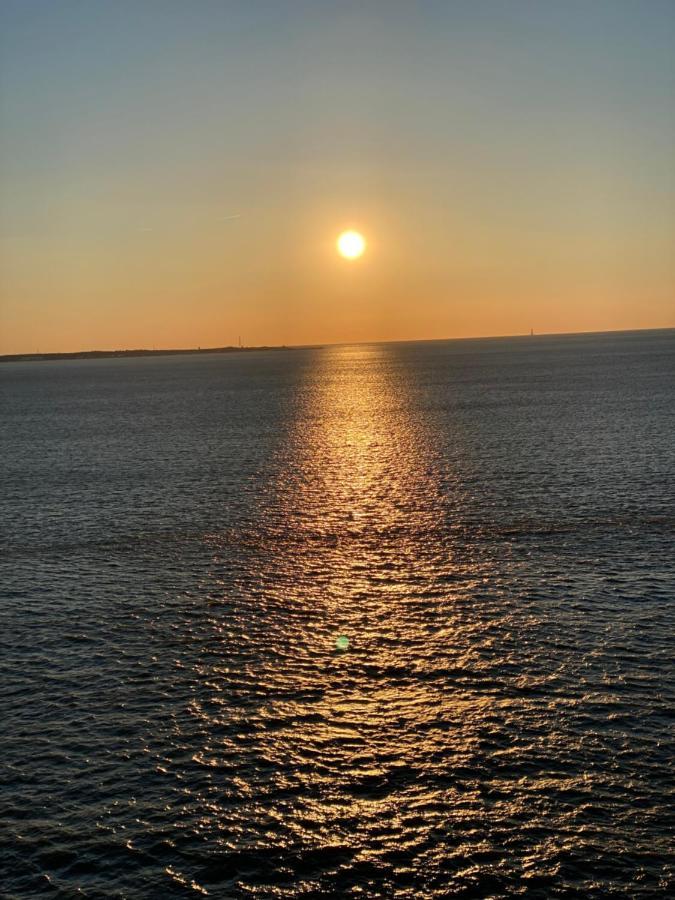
<point x="176" y="173"/>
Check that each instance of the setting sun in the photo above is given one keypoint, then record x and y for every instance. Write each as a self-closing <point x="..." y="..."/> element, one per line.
<point x="351" y="244"/>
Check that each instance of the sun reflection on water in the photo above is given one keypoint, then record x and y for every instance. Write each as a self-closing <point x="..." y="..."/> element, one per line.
<point x="336" y="691"/>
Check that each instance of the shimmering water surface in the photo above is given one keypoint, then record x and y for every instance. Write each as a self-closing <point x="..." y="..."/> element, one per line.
<point x="376" y="621"/>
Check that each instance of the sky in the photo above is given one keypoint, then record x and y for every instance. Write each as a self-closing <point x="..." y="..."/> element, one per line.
<point x="176" y="174"/>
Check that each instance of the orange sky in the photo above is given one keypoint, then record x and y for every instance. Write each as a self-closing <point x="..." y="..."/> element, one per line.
<point x="180" y="180"/>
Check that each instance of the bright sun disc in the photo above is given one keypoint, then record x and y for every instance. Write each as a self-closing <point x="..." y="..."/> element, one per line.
<point x="351" y="244"/>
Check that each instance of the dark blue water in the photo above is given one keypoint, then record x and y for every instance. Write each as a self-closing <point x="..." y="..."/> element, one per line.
<point x="368" y="621"/>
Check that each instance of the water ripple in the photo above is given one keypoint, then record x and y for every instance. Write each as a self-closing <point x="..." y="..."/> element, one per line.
<point x="349" y="623"/>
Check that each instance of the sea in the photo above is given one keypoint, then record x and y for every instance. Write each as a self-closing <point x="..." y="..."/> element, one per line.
<point x="379" y="620"/>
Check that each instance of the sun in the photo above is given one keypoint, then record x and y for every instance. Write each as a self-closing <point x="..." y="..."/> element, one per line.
<point x="351" y="244"/>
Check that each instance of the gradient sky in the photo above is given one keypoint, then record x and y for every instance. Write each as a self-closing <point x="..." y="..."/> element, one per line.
<point x="176" y="173"/>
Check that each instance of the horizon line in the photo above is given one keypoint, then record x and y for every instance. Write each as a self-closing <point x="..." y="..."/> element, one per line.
<point x="109" y="352"/>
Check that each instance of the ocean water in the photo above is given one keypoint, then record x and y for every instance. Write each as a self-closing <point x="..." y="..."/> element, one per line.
<point x="361" y="621"/>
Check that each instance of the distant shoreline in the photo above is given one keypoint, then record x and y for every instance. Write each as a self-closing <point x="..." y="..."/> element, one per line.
<point x="116" y="354"/>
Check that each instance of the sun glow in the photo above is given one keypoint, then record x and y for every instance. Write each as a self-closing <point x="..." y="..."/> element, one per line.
<point x="351" y="244"/>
